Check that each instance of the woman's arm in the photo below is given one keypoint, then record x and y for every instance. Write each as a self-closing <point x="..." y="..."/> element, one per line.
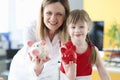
<point x="29" y="33"/>
<point x="38" y="64"/>
<point x="100" y="67"/>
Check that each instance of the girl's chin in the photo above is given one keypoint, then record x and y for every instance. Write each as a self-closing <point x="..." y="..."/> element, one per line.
<point x="78" y="40"/>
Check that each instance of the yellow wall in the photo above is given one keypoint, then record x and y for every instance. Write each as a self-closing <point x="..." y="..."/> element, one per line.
<point x="106" y="10"/>
<point x="109" y="12"/>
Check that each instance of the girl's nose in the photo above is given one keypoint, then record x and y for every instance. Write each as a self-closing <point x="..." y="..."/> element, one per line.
<point x="77" y="30"/>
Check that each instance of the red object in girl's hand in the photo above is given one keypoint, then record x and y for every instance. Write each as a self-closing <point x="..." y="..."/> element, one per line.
<point x="68" y="53"/>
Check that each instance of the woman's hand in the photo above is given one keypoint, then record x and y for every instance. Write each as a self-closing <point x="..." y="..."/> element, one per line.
<point x="38" y="63"/>
<point x="70" y="70"/>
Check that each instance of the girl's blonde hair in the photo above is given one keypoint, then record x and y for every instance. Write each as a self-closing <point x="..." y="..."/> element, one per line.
<point x="41" y="27"/>
<point x="82" y="15"/>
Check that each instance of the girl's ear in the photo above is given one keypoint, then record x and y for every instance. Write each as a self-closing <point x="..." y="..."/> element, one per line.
<point x="30" y="43"/>
<point x="89" y="29"/>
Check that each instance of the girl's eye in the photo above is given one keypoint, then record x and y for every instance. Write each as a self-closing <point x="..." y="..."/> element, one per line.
<point x="81" y="26"/>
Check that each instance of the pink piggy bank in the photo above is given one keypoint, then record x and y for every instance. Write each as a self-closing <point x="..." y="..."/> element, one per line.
<point x="38" y="49"/>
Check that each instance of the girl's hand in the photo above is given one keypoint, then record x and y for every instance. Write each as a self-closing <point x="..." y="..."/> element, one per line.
<point x="70" y="70"/>
<point x="38" y="63"/>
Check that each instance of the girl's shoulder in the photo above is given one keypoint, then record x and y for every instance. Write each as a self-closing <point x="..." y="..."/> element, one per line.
<point x="92" y="45"/>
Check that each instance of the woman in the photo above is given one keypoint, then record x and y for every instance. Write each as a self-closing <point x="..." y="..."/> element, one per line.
<point x="50" y="27"/>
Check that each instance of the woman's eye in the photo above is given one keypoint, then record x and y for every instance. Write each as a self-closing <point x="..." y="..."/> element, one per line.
<point x="59" y="14"/>
<point x="48" y="13"/>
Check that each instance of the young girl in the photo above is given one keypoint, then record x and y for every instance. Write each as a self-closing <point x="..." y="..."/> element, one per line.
<point x="79" y="54"/>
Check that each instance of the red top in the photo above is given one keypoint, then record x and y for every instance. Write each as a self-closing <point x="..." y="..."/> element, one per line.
<point x="84" y="66"/>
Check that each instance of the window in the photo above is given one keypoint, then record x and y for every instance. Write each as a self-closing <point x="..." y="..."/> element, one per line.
<point x="4" y="15"/>
<point x="26" y="12"/>
<point x="15" y="15"/>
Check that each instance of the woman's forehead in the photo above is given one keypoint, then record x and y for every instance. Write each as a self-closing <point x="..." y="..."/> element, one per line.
<point x="57" y="6"/>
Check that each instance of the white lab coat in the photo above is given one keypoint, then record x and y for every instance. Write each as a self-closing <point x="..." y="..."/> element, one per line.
<point x="21" y="66"/>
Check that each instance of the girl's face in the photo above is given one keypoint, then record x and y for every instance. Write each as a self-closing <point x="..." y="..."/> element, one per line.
<point x="78" y="31"/>
<point x="53" y="16"/>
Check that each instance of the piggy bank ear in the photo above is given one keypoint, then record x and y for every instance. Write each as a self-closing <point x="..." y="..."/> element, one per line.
<point x="30" y="43"/>
<point x="43" y="42"/>
<point x="63" y="50"/>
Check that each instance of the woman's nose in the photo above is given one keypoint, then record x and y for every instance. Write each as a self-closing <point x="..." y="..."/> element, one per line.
<point x="53" y="17"/>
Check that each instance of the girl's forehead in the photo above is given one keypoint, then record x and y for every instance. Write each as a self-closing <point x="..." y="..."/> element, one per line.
<point x="78" y="23"/>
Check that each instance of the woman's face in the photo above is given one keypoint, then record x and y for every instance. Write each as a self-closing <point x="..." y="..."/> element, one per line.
<point x="53" y="16"/>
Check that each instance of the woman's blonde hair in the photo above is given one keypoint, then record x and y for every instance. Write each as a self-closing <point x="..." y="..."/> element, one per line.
<point x="82" y="15"/>
<point x="42" y="29"/>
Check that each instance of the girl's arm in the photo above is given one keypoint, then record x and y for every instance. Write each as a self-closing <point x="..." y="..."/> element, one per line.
<point x="68" y="62"/>
<point x="70" y="70"/>
<point x="100" y="67"/>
